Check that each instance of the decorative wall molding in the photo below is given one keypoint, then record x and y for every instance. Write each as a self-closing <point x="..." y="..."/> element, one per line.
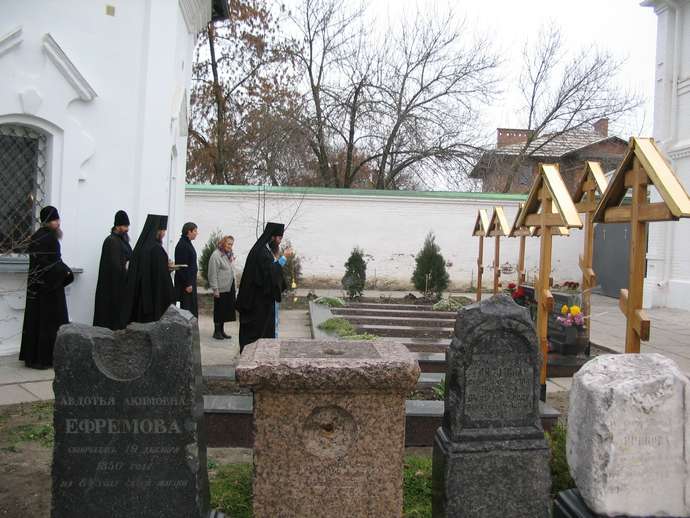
<point x="68" y="69"/>
<point x="196" y="14"/>
<point x="30" y="100"/>
<point x="10" y="40"/>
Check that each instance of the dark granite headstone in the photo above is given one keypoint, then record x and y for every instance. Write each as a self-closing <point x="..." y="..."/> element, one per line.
<point x="129" y="436"/>
<point x="490" y="456"/>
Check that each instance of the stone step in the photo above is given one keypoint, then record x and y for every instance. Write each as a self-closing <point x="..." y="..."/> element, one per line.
<point x="393" y="313"/>
<point x="438" y="333"/>
<point x="229" y="421"/>
<point x="407" y="322"/>
<point x="425" y="345"/>
<point x="400" y="307"/>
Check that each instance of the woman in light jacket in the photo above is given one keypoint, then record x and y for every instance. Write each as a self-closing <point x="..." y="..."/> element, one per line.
<point x="221" y="279"/>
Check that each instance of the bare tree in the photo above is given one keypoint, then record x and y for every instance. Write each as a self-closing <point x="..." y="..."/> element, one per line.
<point x="563" y="94"/>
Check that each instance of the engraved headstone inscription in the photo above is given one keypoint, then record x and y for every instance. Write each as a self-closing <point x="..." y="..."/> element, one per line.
<point x="490" y="456"/>
<point x="329" y="419"/>
<point x="129" y="436"/>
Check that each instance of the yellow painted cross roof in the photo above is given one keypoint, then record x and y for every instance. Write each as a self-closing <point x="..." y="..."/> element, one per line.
<point x="481" y="225"/>
<point x="498" y="225"/>
<point x="594" y="171"/>
<point x="516" y="231"/>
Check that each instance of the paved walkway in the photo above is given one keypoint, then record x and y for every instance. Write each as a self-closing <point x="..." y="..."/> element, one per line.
<point x="670" y="336"/>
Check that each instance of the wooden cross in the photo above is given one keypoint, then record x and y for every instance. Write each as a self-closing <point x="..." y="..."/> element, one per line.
<point x="592" y="184"/>
<point x="642" y="165"/>
<point x="481" y="226"/>
<point x="498" y="226"/>
<point x="522" y="233"/>
<point x="550" y="210"/>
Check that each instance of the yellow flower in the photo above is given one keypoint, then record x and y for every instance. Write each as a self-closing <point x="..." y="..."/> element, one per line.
<point x="575" y="310"/>
<point x="564" y="309"/>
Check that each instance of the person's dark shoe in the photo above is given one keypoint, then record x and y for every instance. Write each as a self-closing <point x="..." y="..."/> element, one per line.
<point x="217" y="333"/>
<point x="226" y="336"/>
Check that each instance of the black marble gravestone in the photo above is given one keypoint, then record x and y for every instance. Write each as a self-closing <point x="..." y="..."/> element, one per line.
<point x="490" y="456"/>
<point x="129" y="435"/>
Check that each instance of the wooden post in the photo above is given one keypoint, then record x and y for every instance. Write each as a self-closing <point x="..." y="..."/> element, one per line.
<point x="544" y="297"/>
<point x="638" y="254"/>
<point x="497" y="264"/>
<point x="521" y="261"/>
<point x="480" y="268"/>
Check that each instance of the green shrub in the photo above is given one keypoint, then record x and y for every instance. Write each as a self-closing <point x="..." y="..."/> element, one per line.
<point x="560" y="474"/>
<point x="440" y="390"/>
<point x="430" y="275"/>
<point x="338" y="326"/>
<point x="331" y="302"/>
<point x="210" y="247"/>
<point x="292" y="271"/>
<point x="355" y="274"/>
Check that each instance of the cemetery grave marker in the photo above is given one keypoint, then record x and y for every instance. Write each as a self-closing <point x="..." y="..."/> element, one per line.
<point x="522" y="233"/>
<point x="642" y="165"/>
<point x="481" y="227"/>
<point x="548" y="208"/>
<point x="498" y="226"/>
<point x="129" y="431"/>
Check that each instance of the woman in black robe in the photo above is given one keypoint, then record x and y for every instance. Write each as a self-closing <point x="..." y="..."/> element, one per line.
<point x="46" y="306"/>
<point x="261" y="287"/>
<point x="112" y="275"/>
<point x="149" y="285"/>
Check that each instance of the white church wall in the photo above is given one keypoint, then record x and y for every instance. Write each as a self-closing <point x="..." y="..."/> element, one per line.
<point x="668" y="255"/>
<point x="111" y="99"/>
<point x="390" y="227"/>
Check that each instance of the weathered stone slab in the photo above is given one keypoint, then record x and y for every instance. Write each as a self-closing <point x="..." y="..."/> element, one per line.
<point x="129" y="435"/>
<point x="490" y="456"/>
<point x="627" y="440"/>
<point x="329" y="426"/>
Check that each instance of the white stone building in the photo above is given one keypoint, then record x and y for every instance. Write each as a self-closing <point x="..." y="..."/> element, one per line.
<point x="668" y="255"/>
<point x="93" y="118"/>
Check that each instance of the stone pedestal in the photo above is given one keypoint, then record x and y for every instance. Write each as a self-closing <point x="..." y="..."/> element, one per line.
<point x="627" y="436"/>
<point x="329" y="420"/>
<point x="490" y="455"/>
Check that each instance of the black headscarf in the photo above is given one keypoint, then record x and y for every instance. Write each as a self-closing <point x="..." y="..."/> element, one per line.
<point x="139" y="276"/>
<point x="245" y="297"/>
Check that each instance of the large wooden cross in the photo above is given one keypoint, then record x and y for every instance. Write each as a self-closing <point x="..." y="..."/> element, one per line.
<point x="481" y="226"/>
<point x="522" y="233"/>
<point x="549" y="209"/>
<point x="592" y="184"/>
<point x="642" y="166"/>
<point x="498" y="226"/>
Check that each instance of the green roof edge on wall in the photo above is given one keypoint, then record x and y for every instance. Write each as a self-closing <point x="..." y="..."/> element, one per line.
<point x="357" y="192"/>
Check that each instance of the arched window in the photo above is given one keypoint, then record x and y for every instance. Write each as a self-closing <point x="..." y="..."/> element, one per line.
<point x="23" y="168"/>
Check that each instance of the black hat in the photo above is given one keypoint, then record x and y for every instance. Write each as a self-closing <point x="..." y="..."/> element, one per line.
<point x="121" y="219"/>
<point x="274" y="229"/>
<point x="49" y="214"/>
<point x="162" y="222"/>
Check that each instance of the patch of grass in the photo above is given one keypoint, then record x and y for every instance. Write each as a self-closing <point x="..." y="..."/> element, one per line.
<point x="331" y="302"/>
<point x="440" y="390"/>
<point x="338" y="326"/>
<point x="41" y="433"/>
<point x="560" y="474"/>
<point x="231" y="490"/>
<point x="451" y="304"/>
<point x="417" y="487"/>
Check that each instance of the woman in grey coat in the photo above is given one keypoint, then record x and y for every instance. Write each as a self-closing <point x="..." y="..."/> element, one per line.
<point x="221" y="279"/>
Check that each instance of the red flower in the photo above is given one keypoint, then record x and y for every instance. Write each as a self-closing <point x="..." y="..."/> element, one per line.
<point x="511" y="286"/>
<point x="520" y="292"/>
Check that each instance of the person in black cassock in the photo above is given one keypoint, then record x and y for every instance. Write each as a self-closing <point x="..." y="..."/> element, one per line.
<point x="112" y="275"/>
<point x="46" y="306"/>
<point x="261" y="287"/>
<point x="149" y="285"/>
<point x="185" y="278"/>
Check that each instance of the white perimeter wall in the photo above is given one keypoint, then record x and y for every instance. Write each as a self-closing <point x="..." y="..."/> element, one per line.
<point x="125" y="148"/>
<point x="391" y="230"/>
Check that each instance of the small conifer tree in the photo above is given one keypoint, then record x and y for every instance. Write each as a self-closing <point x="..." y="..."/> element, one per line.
<point x="430" y="275"/>
<point x="355" y="273"/>
<point x="210" y="246"/>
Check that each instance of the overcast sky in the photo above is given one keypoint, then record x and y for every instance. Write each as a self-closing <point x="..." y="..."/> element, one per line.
<point x="621" y="27"/>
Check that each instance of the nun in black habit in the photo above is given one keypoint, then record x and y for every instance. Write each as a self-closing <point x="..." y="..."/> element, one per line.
<point x="261" y="287"/>
<point x="149" y="285"/>
<point x="112" y="275"/>
<point x="46" y="306"/>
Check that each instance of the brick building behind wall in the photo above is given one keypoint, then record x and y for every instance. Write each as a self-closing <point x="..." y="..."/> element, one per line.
<point x="569" y="150"/>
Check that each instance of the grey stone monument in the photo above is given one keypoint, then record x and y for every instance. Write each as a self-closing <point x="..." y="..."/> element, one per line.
<point x="490" y="457"/>
<point x="129" y="435"/>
